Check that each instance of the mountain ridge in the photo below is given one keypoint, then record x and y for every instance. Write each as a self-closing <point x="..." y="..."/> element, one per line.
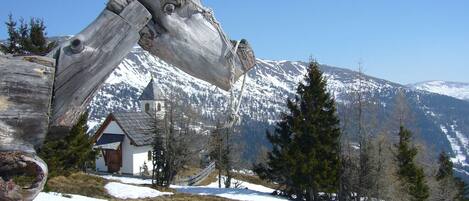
<point x="440" y="120"/>
<point x="459" y="90"/>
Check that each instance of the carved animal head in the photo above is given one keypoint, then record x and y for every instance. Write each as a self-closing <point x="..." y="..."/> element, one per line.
<point x="185" y="34"/>
<point x="181" y="32"/>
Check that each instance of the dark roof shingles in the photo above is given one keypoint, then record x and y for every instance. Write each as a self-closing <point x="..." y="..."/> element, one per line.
<point x="139" y="126"/>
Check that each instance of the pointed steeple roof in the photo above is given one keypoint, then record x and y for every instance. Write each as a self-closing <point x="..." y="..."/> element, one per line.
<point x="152" y="92"/>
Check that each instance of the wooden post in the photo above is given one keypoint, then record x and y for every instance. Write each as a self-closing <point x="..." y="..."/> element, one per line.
<point x="30" y="85"/>
<point x="25" y="95"/>
<point x="85" y="62"/>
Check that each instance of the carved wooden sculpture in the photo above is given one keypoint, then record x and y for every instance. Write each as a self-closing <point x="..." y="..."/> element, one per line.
<point x="40" y="95"/>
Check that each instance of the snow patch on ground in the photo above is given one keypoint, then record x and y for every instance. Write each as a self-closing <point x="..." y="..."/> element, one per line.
<point x="125" y="191"/>
<point x="61" y="197"/>
<point x="246" y="191"/>
<point x="461" y="171"/>
<point x="458" y="145"/>
<point x="126" y="180"/>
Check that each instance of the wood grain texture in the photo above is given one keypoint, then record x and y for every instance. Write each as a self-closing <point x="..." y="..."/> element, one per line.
<point x="190" y="38"/>
<point x="82" y="70"/>
<point x="25" y="96"/>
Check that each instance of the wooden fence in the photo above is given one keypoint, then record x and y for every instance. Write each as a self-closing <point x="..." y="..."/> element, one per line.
<point x="196" y="179"/>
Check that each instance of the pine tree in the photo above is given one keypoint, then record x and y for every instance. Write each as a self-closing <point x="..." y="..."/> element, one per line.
<point x="37" y="43"/>
<point x="27" y="38"/>
<point x="80" y="152"/>
<point x="23" y="33"/>
<point x="448" y="187"/>
<point x="12" y="46"/>
<point x="73" y="153"/>
<point x="305" y="155"/>
<point x="159" y="160"/>
<point x="52" y="152"/>
<point x="408" y="172"/>
<point x="445" y="169"/>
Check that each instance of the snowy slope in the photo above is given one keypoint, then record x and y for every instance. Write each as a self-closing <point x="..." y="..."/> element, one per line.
<point x="267" y="87"/>
<point x="442" y="121"/>
<point x="246" y="191"/>
<point x="454" y="89"/>
<point x="63" y="197"/>
<point x="126" y="191"/>
<point x="131" y="188"/>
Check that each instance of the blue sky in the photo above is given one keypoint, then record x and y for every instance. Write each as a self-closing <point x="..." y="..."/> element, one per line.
<point x="399" y="40"/>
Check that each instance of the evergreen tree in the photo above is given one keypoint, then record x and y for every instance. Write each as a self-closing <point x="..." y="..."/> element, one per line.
<point x="80" y="152"/>
<point x="449" y="188"/>
<point x="12" y="45"/>
<point x="158" y="160"/>
<point x="445" y="169"/>
<point x="52" y="152"/>
<point x="37" y="43"/>
<point x="73" y="153"/>
<point x="408" y="172"/>
<point x="27" y="38"/>
<point x="305" y="155"/>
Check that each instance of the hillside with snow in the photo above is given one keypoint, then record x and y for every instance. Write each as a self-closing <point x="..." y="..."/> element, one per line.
<point x="457" y="90"/>
<point x="131" y="188"/>
<point x="441" y="121"/>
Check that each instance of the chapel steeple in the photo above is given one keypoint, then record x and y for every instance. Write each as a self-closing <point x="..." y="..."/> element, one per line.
<point x="152" y="99"/>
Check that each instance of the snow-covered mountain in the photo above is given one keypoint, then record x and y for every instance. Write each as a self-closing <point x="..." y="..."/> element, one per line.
<point x="457" y="90"/>
<point x="441" y="121"/>
<point x="267" y="87"/>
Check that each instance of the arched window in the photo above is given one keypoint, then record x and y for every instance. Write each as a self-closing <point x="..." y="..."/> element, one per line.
<point x="147" y="107"/>
<point x="159" y="107"/>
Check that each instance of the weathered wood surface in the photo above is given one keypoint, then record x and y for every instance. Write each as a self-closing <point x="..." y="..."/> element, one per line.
<point x="85" y="62"/>
<point x="36" y="97"/>
<point x="25" y="95"/>
<point x="20" y="164"/>
<point x="188" y="36"/>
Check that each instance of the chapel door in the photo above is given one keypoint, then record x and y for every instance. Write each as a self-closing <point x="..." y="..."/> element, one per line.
<point x="114" y="160"/>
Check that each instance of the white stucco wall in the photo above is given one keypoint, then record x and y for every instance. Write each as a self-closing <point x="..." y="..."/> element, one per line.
<point x="140" y="156"/>
<point x="112" y="128"/>
<point x="133" y="157"/>
<point x="127" y="157"/>
<point x="100" y="163"/>
<point x="153" y="106"/>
